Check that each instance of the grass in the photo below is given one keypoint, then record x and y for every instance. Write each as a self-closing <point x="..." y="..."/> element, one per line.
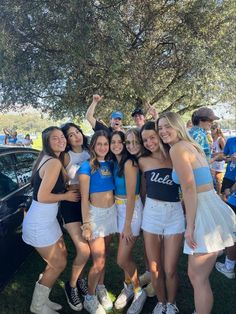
<point x="16" y="297"/>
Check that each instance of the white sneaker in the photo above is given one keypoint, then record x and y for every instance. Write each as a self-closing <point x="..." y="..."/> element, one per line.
<point x="126" y="294"/>
<point x="160" y="308"/>
<point x="104" y="298"/>
<point x="223" y="270"/>
<point x="171" y="308"/>
<point x="93" y="306"/>
<point x="145" y="279"/>
<point x="138" y="303"/>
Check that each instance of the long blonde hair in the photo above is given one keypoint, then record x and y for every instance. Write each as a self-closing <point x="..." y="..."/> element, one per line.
<point x="178" y="124"/>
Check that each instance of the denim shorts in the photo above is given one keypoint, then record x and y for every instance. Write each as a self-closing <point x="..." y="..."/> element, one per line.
<point x="137" y="215"/>
<point x="163" y="218"/>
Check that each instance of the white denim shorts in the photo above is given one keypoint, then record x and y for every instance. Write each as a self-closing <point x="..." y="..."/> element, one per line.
<point x="137" y="215"/>
<point x="40" y="226"/>
<point x="163" y="218"/>
<point x="104" y="221"/>
<point x="215" y="224"/>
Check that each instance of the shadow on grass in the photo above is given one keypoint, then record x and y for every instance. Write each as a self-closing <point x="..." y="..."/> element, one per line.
<point x="16" y="297"/>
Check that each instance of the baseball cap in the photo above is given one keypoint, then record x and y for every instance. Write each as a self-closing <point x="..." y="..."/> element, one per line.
<point x="207" y="113"/>
<point x="117" y="115"/>
<point x="137" y="111"/>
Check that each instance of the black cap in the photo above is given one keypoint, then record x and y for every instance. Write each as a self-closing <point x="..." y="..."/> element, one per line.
<point x="137" y="111"/>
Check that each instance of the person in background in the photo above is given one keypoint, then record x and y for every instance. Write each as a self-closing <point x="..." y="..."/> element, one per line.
<point x="229" y="154"/>
<point x="139" y="116"/>
<point x="40" y="226"/>
<point x="135" y="148"/>
<point x="129" y="207"/>
<point x="202" y="120"/>
<point x="77" y="151"/>
<point x="10" y="137"/>
<point x="227" y="268"/>
<point x="189" y="125"/>
<point x="217" y="167"/>
<point x="99" y="217"/>
<point x="163" y="219"/>
<point x="27" y="141"/>
<point x="205" y="210"/>
<point x="115" y="121"/>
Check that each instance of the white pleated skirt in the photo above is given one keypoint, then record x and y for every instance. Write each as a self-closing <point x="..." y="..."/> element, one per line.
<point x="215" y="224"/>
<point x="104" y="221"/>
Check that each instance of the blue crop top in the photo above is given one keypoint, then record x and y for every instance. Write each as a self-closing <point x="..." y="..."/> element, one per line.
<point x="202" y="175"/>
<point x="120" y="186"/>
<point x="160" y="186"/>
<point x="101" y="180"/>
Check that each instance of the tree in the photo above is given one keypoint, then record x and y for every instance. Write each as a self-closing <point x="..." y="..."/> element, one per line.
<point x="177" y="55"/>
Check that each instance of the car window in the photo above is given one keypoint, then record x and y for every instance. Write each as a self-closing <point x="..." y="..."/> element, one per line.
<point x="8" y="178"/>
<point x="24" y="166"/>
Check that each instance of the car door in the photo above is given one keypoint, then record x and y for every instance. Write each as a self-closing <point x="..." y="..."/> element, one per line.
<point x="15" y="194"/>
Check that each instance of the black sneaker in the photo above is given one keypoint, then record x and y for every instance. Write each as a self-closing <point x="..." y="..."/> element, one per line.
<point x="82" y="286"/>
<point x="72" y="296"/>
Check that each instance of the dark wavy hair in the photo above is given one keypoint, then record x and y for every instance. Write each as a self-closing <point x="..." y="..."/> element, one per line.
<point x="125" y="155"/>
<point x="94" y="163"/>
<point x="46" y="149"/>
<point x="65" y="128"/>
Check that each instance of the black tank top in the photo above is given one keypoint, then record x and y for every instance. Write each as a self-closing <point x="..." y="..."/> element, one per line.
<point x="59" y="187"/>
<point x="160" y="186"/>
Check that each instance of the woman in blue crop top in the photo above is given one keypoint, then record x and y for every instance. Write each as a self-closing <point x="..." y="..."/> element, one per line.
<point x="129" y="208"/>
<point x="210" y="222"/>
<point x="40" y="226"/>
<point x="163" y="219"/>
<point x="99" y="216"/>
<point x="76" y="152"/>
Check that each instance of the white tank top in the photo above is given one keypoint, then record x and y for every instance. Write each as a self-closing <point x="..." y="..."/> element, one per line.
<point x="76" y="160"/>
<point x="217" y="165"/>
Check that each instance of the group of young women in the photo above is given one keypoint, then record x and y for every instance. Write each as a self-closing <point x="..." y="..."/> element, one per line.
<point x="122" y="184"/>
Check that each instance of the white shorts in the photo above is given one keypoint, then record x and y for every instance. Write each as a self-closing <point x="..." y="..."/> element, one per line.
<point x="40" y="225"/>
<point x="104" y="221"/>
<point x="163" y="218"/>
<point x="137" y="215"/>
<point x="215" y="224"/>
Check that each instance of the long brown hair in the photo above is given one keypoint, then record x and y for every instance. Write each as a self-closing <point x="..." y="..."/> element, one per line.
<point x="94" y="163"/>
<point x="47" y="150"/>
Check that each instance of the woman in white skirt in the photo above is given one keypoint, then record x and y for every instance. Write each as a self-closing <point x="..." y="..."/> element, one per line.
<point x="210" y="222"/>
<point x="40" y="226"/>
<point x="130" y="209"/>
<point x="98" y="212"/>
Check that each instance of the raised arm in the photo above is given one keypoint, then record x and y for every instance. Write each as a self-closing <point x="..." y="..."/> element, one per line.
<point x="90" y="112"/>
<point x="182" y="164"/>
<point x="49" y="174"/>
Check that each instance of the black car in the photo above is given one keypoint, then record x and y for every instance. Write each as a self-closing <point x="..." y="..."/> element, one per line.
<point x="15" y="197"/>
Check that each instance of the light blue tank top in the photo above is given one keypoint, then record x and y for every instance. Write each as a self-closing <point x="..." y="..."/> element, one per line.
<point x="120" y="186"/>
<point x="202" y="175"/>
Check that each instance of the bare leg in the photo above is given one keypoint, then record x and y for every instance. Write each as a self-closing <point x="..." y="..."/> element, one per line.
<point x="97" y="247"/>
<point x="172" y="246"/>
<point x="199" y="269"/>
<point x="82" y="251"/>
<point x="55" y="255"/>
<point x="107" y="244"/>
<point x="154" y="249"/>
<point x="126" y="262"/>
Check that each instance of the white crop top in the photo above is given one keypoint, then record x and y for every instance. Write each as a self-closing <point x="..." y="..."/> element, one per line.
<point x="76" y="160"/>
